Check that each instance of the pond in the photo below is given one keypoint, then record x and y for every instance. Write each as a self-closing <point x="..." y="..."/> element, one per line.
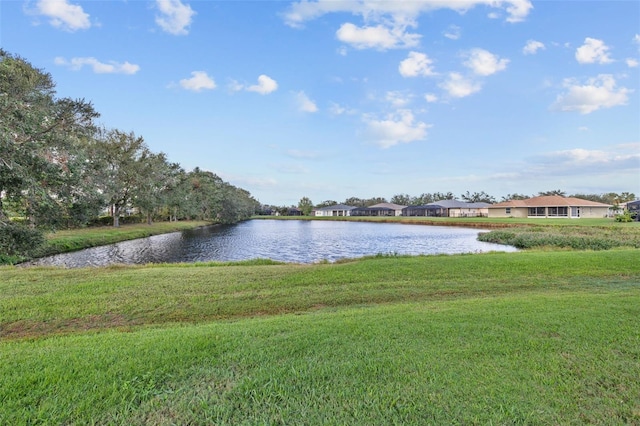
<point x="295" y="241"/>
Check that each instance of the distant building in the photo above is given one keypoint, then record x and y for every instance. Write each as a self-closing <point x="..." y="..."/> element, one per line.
<point x="634" y="208"/>
<point x="550" y="206"/>
<point x="335" y="210"/>
<point x="448" y="208"/>
<point x="382" y="209"/>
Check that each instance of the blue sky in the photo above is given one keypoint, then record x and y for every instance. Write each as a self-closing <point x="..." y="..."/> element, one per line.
<point x="331" y="99"/>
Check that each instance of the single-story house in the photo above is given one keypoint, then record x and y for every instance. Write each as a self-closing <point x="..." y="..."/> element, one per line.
<point x="448" y="208"/>
<point x="431" y="210"/>
<point x="335" y="210"/>
<point x="634" y="208"/>
<point x="382" y="209"/>
<point x="549" y="206"/>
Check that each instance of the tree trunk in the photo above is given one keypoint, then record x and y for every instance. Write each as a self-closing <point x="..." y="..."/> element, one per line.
<point x="116" y="216"/>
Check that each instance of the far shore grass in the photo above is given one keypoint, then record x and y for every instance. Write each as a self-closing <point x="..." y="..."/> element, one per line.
<point x="541" y="336"/>
<point x="67" y="240"/>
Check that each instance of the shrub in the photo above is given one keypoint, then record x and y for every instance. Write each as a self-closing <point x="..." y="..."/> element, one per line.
<point x="18" y="241"/>
<point x="624" y="217"/>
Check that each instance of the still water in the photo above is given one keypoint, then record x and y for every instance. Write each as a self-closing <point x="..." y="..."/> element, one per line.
<point x="297" y="241"/>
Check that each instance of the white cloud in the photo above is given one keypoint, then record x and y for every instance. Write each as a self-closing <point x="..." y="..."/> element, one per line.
<point x="337" y="109"/>
<point x="453" y="32"/>
<point x="112" y="67"/>
<point x="484" y="63"/>
<point x="416" y="64"/>
<point x="631" y="62"/>
<point x="376" y="37"/>
<point x="593" y="51"/>
<point x="599" y="92"/>
<point x="198" y="82"/>
<point x="431" y="98"/>
<point x="175" y="17"/>
<point x="304" y="103"/>
<point x="395" y="129"/>
<point x="265" y="85"/>
<point x="399" y="12"/>
<point x="398" y="99"/>
<point x="532" y="47"/>
<point x="578" y="160"/>
<point x="64" y="15"/>
<point x="458" y="86"/>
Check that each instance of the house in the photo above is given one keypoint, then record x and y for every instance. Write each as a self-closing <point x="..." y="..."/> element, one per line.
<point x="549" y="206"/>
<point x="634" y="208"/>
<point x="382" y="209"/>
<point x="335" y="210"/>
<point x="448" y="208"/>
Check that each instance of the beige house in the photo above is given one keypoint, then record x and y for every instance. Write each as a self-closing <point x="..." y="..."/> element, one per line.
<point x="551" y="206"/>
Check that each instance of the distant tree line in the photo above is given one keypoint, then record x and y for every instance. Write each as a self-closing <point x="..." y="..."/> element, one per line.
<point x="59" y="169"/>
<point x="306" y="205"/>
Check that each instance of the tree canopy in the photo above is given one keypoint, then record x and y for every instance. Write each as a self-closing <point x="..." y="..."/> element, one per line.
<point x="57" y="168"/>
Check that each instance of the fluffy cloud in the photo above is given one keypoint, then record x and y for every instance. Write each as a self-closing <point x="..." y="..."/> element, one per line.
<point x="599" y="92"/>
<point x="265" y="85"/>
<point x="398" y="99"/>
<point x="112" y="67"/>
<point x="532" y="47"/>
<point x="431" y="98"/>
<point x="304" y="103"/>
<point x="198" y="82"/>
<point x="458" y="86"/>
<point x="376" y="37"/>
<point x="484" y="63"/>
<point x="175" y="17"/>
<point x="395" y="129"/>
<point x="64" y="15"/>
<point x="593" y="51"/>
<point x="631" y="62"/>
<point x="416" y="64"/>
<point x="578" y="160"/>
<point x="397" y="11"/>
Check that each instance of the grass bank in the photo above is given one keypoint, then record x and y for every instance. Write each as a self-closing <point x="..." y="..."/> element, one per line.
<point x="64" y="241"/>
<point x="496" y="338"/>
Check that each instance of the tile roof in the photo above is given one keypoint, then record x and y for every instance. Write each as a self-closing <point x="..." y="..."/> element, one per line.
<point x="550" y="201"/>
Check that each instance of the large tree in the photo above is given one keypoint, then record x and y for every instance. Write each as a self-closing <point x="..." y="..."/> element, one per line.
<point x="306" y="205"/>
<point x="121" y="159"/>
<point x="41" y="147"/>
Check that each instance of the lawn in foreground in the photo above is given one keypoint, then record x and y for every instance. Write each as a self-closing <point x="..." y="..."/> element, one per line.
<point x="523" y="338"/>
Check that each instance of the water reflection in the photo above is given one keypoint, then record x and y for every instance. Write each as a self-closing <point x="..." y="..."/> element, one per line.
<point x="289" y="241"/>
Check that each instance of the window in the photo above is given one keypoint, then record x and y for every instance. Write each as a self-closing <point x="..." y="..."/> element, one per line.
<point x="537" y="211"/>
<point x="507" y="210"/>
<point x="558" y="211"/>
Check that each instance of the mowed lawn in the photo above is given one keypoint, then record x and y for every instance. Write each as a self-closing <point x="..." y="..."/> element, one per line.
<point x="537" y="337"/>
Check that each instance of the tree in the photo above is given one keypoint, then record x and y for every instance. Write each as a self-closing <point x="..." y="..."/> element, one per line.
<point x="41" y="140"/>
<point x="156" y="177"/>
<point x="402" y="199"/>
<point x="119" y="159"/>
<point x="306" y="205"/>
<point x="554" y="192"/>
<point x="326" y="203"/>
<point x="515" y="196"/>
<point x="478" y="197"/>
<point x="355" y="202"/>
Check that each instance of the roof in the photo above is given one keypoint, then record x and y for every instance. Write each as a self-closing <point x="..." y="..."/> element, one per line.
<point x="457" y="204"/>
<point x="550" y="201"/>
<point x="337" y="207"/>
<point x="387" y="206"/>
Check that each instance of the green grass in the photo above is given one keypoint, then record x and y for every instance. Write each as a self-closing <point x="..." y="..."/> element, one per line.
<point x="63" y="241"/>
<point x="535" y="337"/>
